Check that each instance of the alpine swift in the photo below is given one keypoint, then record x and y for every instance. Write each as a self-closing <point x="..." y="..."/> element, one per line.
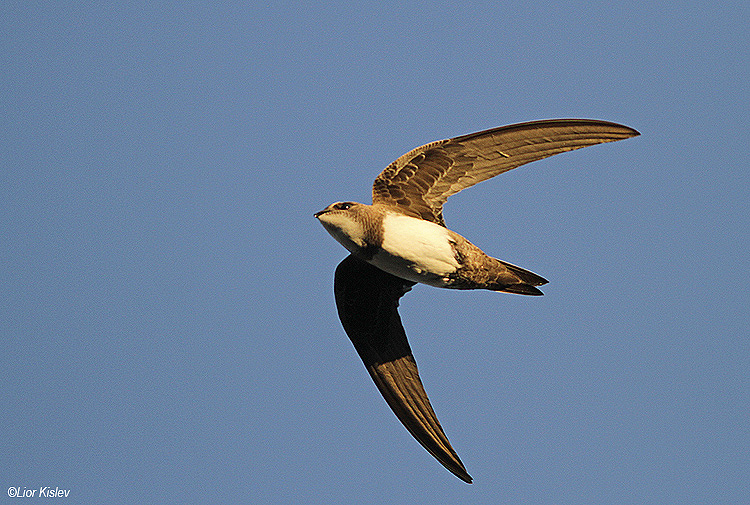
<point x="401" y="239"/>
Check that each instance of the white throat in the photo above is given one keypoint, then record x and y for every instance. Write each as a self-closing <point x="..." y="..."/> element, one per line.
<point x="347" y="231"/>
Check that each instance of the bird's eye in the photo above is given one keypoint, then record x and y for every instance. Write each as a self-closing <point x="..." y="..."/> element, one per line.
<point x="344" y="206"/>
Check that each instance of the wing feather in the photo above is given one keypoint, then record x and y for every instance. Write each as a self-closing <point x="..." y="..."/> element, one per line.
<point x="367" y="302"/>
<point x="420" y="181"/>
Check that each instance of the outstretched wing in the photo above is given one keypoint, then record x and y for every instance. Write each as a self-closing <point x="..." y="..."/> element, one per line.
<point x="367" y="302"/>
<point x="420" y="181"/>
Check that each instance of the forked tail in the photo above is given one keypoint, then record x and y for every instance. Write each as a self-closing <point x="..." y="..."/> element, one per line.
<point x="527" y="281"/>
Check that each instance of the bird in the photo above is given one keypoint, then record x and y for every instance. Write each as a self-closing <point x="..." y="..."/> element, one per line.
<point x="401" y="239"/>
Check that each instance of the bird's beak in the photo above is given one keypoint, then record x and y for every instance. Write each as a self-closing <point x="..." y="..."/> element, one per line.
<point x="320" y="212"/>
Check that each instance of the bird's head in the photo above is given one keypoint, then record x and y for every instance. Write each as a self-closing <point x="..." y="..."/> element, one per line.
<point x="345" y="221"/>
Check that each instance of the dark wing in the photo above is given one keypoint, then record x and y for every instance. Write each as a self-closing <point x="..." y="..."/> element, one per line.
<point x="367" y="302"/>
<point x="420" y="181"/>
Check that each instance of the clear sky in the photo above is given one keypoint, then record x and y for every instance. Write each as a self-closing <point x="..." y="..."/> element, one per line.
<point x="168" y="326"/>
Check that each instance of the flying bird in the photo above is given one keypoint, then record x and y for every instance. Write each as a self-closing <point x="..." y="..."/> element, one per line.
<point x="401" y="240"/>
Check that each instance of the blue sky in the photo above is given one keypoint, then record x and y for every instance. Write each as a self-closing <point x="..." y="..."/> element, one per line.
<point x="168" y="327"/>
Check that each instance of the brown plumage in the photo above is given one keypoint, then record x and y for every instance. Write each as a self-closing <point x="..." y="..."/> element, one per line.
<point x="401" y="239"/>
<point x="421" y="180"/>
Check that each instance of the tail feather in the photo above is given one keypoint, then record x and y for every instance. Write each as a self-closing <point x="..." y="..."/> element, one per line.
<point x="525" y="281"/>
<point x="525" y="276"/>
<point x="521" y="289"/>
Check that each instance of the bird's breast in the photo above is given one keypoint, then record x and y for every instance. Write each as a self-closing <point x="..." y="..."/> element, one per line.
<point x="416" y="250"/>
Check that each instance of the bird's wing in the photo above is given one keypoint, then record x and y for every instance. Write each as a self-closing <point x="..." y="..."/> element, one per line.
<point x="420" y="181"/>
<point x="367" y="302"/>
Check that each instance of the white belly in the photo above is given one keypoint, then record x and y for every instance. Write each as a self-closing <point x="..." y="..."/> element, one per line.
<point x="416" y="250"/>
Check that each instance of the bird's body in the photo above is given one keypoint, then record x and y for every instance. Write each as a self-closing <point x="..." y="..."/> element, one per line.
<point x="416" y="250"/>
<point x="401" y="239"/>
<point x="421" y="251"/>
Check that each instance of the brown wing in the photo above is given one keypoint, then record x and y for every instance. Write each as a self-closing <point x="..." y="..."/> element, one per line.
<point x="420" y="181"/>
<point x="367" y="302"/>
